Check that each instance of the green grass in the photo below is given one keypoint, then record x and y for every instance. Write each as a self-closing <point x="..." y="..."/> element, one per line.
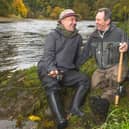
<point x="27" y="81"/>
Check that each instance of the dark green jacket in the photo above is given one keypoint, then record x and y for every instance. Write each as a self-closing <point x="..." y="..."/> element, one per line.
<point x="60" y="52"/>
<point x="104" y="48"/>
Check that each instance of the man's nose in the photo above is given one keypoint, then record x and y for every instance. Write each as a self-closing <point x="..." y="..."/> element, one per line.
<point x="96" y="21"/>
<point x="74" y="22"/>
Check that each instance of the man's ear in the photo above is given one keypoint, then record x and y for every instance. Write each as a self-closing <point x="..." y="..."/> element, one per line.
<point x="108" y="21"/>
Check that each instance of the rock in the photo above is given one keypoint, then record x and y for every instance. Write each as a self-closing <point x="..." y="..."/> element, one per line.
<point x="8" y="124"/>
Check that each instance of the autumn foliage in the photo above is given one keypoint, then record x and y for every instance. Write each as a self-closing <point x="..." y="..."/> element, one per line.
<point x="52" y="8"/>
<point x="19" y="7"/>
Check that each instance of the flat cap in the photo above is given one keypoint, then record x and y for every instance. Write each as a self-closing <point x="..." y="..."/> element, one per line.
<point x="67" y="13"/>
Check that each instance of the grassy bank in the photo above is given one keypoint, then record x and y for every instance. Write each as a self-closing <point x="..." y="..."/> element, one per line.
<point x="22" y="95"/>
<point x="25" y="83"/>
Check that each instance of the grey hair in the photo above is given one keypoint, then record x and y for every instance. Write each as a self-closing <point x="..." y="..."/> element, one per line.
<point x="107" y="12"/>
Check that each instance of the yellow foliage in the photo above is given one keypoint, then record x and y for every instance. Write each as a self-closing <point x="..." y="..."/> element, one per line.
<point x="49" y="9"/>
<point x="34" y="118"/>
<point x="20" y="7"/>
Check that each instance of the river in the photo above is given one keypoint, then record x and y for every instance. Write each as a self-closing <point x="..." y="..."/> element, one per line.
<point x="22" y="42"/>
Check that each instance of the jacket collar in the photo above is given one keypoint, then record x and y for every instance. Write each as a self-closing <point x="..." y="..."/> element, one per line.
<point x="66" y="33"/>
<point x="96" y="33"/>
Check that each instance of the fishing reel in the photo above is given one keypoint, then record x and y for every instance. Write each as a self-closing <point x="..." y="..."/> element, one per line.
<point x="59" y="76"/>
<point x="121" y="91"/>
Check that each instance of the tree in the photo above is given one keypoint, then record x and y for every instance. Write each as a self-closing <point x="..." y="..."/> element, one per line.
<point x="55" y="12"/>
<point x="5" y="7"/>
<point x="121" y="10"/>
<point x="20" y="8"/>
<point x="82" y="8"/>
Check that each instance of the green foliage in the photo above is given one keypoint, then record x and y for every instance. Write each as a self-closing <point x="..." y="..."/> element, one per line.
<point x="121" y="10"/>
<point x="5" y="7"/>
<point x="44" y="9"/>
<point x="10" y="7"/>
<point x="55" y="12"/>
<point x="81" y="8"/>
<point x="86" y="68"/>
<point x="124" y="26"/>
<point x="117" y="119"/>
<point x="26" y="83"/>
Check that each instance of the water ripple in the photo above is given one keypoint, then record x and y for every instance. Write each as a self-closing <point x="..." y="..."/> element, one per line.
<point x="22" y="42"/>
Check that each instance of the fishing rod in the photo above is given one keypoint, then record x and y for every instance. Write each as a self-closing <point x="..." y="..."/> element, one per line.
<point x="120" y="89"/>
<point x="120" y="66"/>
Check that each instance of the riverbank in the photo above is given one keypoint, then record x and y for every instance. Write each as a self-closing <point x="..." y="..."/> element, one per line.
<point x="22" y="95"/>
<point x="16" y="18"/>
<point x="9" y="19"/>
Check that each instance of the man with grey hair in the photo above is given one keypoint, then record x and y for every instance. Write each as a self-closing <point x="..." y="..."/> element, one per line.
<point x="58" y="67"/>
<point x="105" y="44"/>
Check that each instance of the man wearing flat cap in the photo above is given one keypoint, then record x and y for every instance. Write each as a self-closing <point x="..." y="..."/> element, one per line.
<point x="58" y="67"/>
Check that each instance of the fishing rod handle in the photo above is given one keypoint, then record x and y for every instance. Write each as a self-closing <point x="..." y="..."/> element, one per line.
<point x="119" y="77"/>
<point x="117" y="97"/>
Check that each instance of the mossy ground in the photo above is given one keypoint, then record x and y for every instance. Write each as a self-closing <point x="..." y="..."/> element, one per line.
<point x="24" y="84"/>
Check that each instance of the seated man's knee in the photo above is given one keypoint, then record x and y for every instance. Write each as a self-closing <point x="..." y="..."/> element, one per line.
<point x="50" y="85"/>
<point x="52" y="88"/>
<point x="85" y="82"/>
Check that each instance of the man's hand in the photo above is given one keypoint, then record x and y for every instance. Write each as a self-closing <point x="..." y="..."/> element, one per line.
<point x="123" y="47"/>
<point x="53" y="73"/>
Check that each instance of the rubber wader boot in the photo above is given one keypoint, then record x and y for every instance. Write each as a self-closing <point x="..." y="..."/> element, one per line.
<point x="55" y="105"/>
<point x="77" y="100"/>
<point x="99" y="107"/>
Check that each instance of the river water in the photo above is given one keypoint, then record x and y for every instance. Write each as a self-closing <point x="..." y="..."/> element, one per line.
<point x="22" y="42"/>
